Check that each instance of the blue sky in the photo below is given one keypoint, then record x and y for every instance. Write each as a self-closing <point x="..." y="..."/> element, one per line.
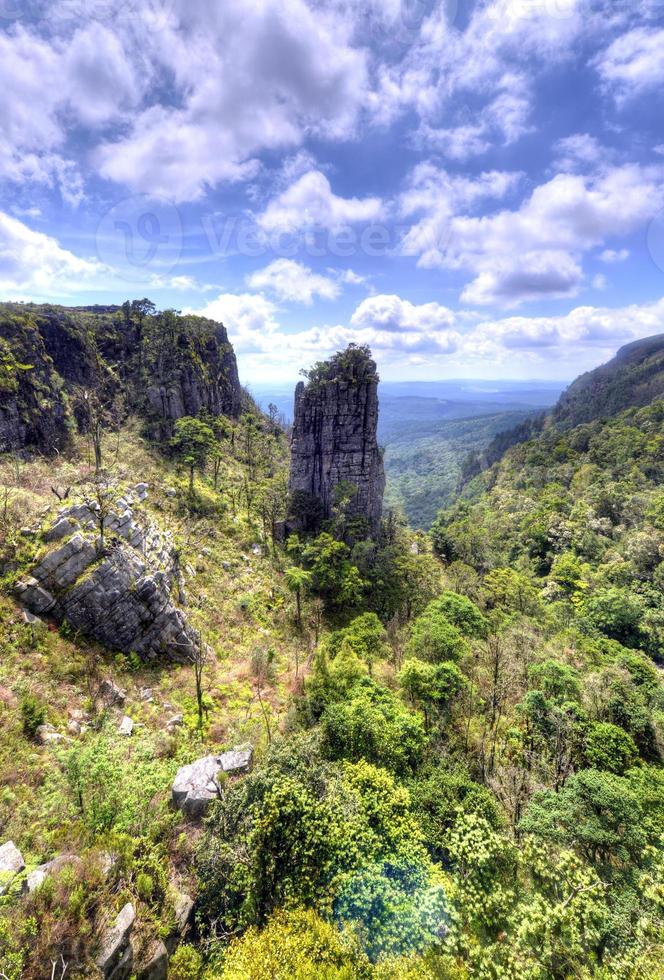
<point x="475" y="189"/>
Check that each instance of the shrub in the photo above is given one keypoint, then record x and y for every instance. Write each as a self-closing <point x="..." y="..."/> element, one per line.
<point x="33" y="714"/>
<point x="185" y="963"/>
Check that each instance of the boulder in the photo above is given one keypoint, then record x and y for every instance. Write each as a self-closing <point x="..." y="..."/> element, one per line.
<point x="11" y="864"/>
<point x="115" y="957"/>
<point x="111" y="692"/>
<point x="155" y="963"/>
<point x="47" y="735"/>
<point x="183" y="906"/>
<point x="37" y="877"/>
<point x="196" y="785"/>
<point x="119" y="595"/>
<point x="126" y="726"/>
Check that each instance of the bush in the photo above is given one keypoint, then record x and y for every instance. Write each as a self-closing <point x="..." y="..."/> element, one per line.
<point x="185" y="963"/>
<point x="33" y="714"/>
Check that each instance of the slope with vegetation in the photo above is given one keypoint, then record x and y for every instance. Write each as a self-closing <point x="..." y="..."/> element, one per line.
<point x="457" y="739"/>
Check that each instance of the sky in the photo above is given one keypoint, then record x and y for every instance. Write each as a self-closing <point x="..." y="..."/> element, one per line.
<point x="475" y="189"/>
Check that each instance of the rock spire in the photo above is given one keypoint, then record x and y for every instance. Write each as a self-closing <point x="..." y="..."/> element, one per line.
<point x="334" y="450"/>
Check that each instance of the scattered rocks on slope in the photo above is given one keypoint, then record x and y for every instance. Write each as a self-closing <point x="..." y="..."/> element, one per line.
<point x="119" y="596"/>
<point x="37" y="877"/>
<point x="11" y="864"/>
<point x="115" y="957"/>
<point x="196" y="785"/>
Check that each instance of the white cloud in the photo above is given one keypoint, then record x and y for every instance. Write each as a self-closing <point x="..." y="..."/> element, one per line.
<point x="509" y="280"/>
<point x="578" y="152"/>
<point x="392" y="314"/>
<point x="35" y="265"/>
<point x="293" y="281"/>
<point x="250" y="320"/>
<point x="403" y="333"/>
<point x="633" y="63"/>
<point x="264" y="75"/>
<point x="611" y="255"/>
<point x="311" y="203"/>
<point x="534" y="251"/>
<point x="491" y="56"/>
<point x="602" y="328"/>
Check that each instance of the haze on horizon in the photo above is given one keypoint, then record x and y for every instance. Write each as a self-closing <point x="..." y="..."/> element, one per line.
<point x="474" y="188"/>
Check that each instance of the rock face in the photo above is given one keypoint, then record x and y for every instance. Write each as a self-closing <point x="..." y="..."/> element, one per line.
<point x="11" y="864"/>
<point x="128" y="359"/>
<point x="334" y="440"/>
<point x="119" y="596"/>
<point x="115" y="957"/>
<point x="196" y="785"/>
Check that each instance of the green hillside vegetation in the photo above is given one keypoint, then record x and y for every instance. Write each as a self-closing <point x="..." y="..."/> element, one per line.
<point x="458" y="737"/>
<point x="423" y="468"/>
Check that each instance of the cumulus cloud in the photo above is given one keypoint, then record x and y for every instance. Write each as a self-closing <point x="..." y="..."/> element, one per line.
<point x="33" y="264"/>
<point x="392" y="314"/>
<point x="612" y="255"/>
<point x="249" y="318"/>
<point x="293" y="281"/>
<point x="400" y="332"/>
<point x="310" y="202"/>
<point x="535" y="250"/>
<point x="633" y="63"/>
<point x="264" y="75"/>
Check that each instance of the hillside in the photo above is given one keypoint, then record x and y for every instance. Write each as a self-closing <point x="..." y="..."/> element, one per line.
<point x="357" y="752"/>
<point x="634" y="377"/>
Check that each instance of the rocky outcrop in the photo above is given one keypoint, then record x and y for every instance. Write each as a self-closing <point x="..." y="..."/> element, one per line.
<point x="129" y="359"/>
<point x="193" y="372"/>
<point x="11" y="864"/>
<point x="196" y="785"/>
<point x="115" y="957"/>
<point x="334" y="441"/>
<point x="34" y="408"/>
<point x="118" y="594"/>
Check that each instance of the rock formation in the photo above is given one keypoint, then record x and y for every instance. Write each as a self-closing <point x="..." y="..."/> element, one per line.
<point x="129" y="359"/>
<point x="118" y="594"/>
<point x="334" y="441"/>
<point x="196" y="785"/>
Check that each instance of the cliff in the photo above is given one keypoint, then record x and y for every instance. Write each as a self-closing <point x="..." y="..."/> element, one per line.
<point x="334" y="446"/>
<point x="129" y="359"/>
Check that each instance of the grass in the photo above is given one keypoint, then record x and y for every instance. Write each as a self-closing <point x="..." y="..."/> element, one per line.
<point x="237" y="598"/>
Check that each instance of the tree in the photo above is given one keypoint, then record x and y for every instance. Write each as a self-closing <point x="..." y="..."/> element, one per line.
<point x="433" y="637"/>
<point x="263" y="664"/>
<point x="610" y="748"/>
<point x="431" y="686"/>
<point x="371" y="723"/>
<point x="366" y="636"/>
<point x="100" y="502"/>
<point x="298" y="580"/>
<point x="193" y="444"/>
<point x="596" y="812"/>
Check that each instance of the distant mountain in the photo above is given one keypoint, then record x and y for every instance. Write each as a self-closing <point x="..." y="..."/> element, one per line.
<point x="633" y="378"/>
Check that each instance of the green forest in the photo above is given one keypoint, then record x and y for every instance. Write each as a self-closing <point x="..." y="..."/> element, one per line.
<point x="457" y="733"/>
